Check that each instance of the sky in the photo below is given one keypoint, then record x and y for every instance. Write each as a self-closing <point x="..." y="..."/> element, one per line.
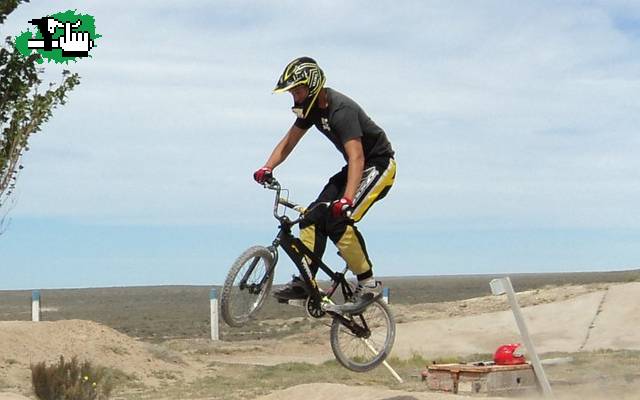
<point x="515" y="126"/>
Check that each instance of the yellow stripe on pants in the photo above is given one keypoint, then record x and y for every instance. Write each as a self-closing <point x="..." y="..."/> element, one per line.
<point x="386" y="180"/>
<point x="308" y="237"/>
<point x="352" y="252"/>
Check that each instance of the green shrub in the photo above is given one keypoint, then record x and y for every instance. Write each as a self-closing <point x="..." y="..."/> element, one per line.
<point x="70" y="380"/>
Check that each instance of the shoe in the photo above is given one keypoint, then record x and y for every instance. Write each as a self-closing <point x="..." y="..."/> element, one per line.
<point x="294" y="290"/>
<point x="363" y="296"/>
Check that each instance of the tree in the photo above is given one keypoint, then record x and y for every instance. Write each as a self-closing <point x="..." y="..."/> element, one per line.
<point x="24" y="107"/>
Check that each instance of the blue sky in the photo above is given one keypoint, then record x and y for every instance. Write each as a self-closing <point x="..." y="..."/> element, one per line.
<point x="515" y="126"/>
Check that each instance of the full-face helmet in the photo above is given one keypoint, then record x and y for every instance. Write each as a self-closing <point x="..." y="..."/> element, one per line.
<point x="509" y="354"/>
<point x="302" y="71"/>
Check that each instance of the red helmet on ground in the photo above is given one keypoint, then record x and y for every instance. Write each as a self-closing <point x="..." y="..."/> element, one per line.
<point x="509" y="354"/>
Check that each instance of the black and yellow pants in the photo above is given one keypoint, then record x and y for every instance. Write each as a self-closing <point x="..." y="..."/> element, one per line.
<point x="377" y="178"/>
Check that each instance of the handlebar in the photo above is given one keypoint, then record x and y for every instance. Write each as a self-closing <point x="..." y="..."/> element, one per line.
<point x="273" y="184"/>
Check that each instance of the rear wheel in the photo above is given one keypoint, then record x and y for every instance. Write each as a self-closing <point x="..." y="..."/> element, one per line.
<point x="368" y="341"/>
<point x="247" y="285"/>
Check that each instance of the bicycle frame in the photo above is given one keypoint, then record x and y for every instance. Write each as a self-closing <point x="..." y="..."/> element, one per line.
<point x="299" y="253"/>
<point x="250" y="279"/>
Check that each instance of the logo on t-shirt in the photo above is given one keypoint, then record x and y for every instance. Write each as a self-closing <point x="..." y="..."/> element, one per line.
<point x="325" y="124"/>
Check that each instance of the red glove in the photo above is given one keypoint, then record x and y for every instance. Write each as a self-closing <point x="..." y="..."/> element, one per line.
<point x="340" y="207"/>
<point x="262" y="175"/>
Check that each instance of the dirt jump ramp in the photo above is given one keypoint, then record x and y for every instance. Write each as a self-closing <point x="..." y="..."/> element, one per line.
<point x="606" y="319"/>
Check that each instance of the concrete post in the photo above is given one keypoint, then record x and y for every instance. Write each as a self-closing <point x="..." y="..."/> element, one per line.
<point x="35" y="305"/>
<point x="501" y="286"/>
<point x="385" y="295"/>
<point x="213" y="299"/>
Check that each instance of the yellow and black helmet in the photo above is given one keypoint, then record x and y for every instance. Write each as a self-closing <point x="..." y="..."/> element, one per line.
<point x="302" y="71"/>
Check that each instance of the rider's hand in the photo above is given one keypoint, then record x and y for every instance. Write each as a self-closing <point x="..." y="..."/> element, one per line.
<point x="341" y="207"/>
<point x="262" y="175"/>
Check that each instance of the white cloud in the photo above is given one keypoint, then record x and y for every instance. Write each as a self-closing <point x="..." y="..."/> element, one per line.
<point x="515" y="113"/>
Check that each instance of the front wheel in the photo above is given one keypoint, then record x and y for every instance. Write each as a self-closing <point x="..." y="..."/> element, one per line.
<point x="368" y="341"/>
<point x="247" y="285"/>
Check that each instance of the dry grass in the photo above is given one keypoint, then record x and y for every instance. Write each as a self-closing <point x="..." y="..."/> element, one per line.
<point x="70" y="380"/>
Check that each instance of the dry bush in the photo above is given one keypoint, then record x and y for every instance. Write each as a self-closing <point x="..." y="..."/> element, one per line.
<point x="70" y="380"/>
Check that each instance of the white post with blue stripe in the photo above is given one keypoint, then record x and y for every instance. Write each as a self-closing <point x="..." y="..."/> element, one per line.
<point x="35" y="305"/>
<point x="213" y="298"/>
<point x="385" y="295"/>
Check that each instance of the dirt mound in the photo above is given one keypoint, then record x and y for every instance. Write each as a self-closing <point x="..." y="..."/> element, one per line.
<point x="26" y="343"/>
<point x="321" y="391"/>
<point x="12" y="396"/>
<point x="591" y="320"/>
<point x="488" y="304"/>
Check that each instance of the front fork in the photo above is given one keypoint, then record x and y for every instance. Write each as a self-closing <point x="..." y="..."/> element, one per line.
<point x="273" y="249"/>
<point x="257" y="288"/>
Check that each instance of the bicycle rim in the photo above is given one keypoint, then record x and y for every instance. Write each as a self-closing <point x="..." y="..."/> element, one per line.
<point x="247" y="286"/>
<point x="361" y="354"/>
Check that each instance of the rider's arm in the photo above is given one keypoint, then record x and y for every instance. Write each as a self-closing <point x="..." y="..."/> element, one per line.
<point x="355" y="159"/>
<point x="283" y="149"/>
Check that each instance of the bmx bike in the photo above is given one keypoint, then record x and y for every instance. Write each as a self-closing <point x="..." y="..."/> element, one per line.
<point x="361" y="339"/>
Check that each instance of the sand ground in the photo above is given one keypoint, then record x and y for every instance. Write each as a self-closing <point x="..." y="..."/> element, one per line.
<point x="571" y="319"/>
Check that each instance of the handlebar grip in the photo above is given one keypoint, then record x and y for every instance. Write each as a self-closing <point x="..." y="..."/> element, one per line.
<point x="271" y="183"/>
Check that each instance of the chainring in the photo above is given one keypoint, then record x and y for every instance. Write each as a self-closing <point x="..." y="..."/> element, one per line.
<point x="313" y="308"/>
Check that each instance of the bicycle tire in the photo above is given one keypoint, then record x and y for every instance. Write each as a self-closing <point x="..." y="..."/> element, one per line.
<point x="241" y="302"/>
<point x="360" y="354"/>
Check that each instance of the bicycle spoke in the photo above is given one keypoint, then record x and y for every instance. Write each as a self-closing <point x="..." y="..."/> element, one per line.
<point x="365" y="340"/>
<point x="245" y="295"/>
<point x="246" y="286"/>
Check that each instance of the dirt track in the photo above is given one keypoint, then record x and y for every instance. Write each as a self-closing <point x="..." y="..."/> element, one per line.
<point x="606" y="319"/>
<point x="602" y="319"/>
<point x="322" y="391"/>
<point x="12" y="396"/>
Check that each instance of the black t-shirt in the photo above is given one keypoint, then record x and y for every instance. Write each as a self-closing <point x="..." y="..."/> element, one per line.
<point x="343" y="120"/>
